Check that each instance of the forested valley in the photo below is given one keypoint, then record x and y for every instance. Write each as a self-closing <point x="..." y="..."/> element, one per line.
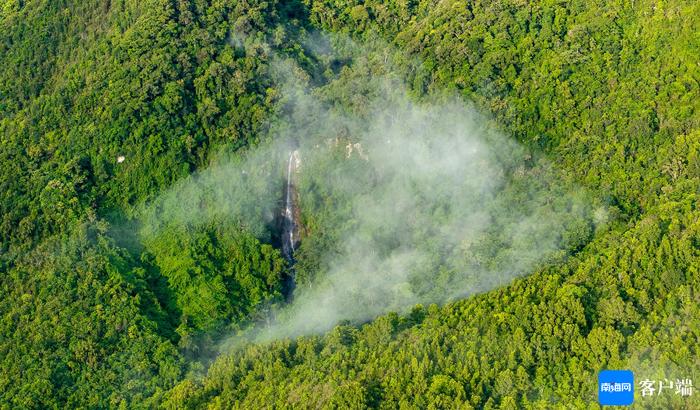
<point x="142" y="173"/>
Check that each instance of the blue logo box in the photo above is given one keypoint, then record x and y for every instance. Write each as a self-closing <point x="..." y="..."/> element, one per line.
<point x="615" y="387"/>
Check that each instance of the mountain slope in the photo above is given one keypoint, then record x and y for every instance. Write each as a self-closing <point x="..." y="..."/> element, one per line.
<point x="95" y="313"/>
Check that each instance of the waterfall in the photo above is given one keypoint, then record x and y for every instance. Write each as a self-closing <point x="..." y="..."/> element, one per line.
<point x="289" y="223"/>
<point x="289" y="235"/>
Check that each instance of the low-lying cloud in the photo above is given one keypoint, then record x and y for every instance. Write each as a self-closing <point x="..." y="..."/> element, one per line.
<point x="404" y="201"/>
<point x="428" y="202"/>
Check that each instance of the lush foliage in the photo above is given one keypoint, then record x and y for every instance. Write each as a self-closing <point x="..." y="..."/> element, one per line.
<point x="99" y="311"/>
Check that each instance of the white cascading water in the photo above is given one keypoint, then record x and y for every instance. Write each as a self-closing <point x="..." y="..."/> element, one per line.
<point x="289" y="226"/>
<point x="288" y="239"/>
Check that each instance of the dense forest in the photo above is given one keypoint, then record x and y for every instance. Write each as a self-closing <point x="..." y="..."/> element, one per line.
<point x="133" y="249"/>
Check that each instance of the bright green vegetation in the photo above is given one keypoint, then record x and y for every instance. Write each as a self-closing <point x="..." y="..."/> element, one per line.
<point x="103" y="305"/>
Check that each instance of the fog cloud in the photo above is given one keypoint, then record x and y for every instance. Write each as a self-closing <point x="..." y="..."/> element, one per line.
<point x="403" y="201"/>
<point x="430" y="203"/>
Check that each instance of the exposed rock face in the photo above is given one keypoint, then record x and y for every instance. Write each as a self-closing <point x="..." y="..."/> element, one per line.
<point x="356" y="147"/>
